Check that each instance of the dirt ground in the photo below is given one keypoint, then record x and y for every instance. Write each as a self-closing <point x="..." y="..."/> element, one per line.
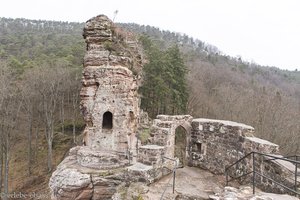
<point x="189" y="181"/>
<point x="197" y="184"/>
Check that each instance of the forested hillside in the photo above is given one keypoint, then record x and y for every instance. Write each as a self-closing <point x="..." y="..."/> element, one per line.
<point x="28" y="43"/>
<point x="40" y="72"/>
<point x="224" y="87"/>
<point x="41" y="63"/>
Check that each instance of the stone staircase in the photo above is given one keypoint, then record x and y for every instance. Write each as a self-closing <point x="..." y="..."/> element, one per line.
<point x="291" y="168"/>
<point x="272" y="173"/>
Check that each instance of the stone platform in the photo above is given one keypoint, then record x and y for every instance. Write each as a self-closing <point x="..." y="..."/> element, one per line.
<point x="97" y="159"/>
<point x="93" y="174"/>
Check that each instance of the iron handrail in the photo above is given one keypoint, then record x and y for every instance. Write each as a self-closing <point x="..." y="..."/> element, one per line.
<point x="285" y="187"/>
<point x="283" y="158"/>
<point x="239" y="160"/>
<point x="174" y="175"/>
<point x="297" y="157"/>
<point x="254" y="172"/>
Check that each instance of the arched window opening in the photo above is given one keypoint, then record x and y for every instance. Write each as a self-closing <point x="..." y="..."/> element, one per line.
<point x="131" y="116"/>
<point x="107" y="122"/>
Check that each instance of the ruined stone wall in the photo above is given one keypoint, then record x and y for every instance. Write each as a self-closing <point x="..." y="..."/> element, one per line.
<point x="151" y="155"/>
<point x="163" y="131"/>
<point x="109" y="98"/>
<point x="278" y="172"/>
<point x="216" y="144"/>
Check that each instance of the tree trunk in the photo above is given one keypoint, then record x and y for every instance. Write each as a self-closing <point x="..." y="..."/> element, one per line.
<point x="1" y="167"/>
<point x="74" y="104"/>
<point x="62" y="116"/>
<point x="6" y="170"/>
<point x="74" y="129"/>
<point x="36" y="143"/>
<point x="49" y="155"/>
<point x="29" y="144"/>
<point x="49" y="136"/>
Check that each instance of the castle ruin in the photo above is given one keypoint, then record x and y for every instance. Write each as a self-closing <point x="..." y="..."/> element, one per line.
<point x="112" y="157"/>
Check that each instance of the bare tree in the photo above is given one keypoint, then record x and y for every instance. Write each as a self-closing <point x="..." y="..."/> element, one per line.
<point x="30" y="100"/>
<point x="10" y="105"/>
<point x="62" y="112"/>
<point x="1" y="162"/>
<point x="74" y="89"/>
<point x="49" y="88"/>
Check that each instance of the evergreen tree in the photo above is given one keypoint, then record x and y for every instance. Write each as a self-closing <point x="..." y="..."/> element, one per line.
<point x="164" y="89"/>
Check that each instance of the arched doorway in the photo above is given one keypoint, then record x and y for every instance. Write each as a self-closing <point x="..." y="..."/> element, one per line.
<point x="107" y="122"/>
<point x="181" y="145"/>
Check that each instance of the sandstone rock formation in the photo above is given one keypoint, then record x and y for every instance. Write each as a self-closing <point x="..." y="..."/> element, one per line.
<point x="109" y="99"/>
<point x="74" y="181"/>
<point x="110" y="107"/>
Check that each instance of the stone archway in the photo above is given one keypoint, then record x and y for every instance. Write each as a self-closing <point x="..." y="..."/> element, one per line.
<point x="180" y="145"/>
<point x="163" y="132"/>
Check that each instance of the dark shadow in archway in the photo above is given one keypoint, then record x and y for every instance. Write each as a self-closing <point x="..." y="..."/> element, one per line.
<point x="107" y="122"/>
<point x="180" y="145"/>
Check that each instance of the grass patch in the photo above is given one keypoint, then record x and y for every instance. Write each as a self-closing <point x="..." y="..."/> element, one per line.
<point x="68" y="127"/>
<point x="144" y="135"/>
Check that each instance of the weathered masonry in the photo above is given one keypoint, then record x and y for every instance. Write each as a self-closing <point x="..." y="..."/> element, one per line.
<point x="112" y="157"/>
<point x="109" y="98"/>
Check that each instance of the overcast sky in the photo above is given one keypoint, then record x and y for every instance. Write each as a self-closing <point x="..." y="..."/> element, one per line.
<point x="264" y="31"/>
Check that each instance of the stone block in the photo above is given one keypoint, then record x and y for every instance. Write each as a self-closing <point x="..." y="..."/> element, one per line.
<point x="151" y="155"/>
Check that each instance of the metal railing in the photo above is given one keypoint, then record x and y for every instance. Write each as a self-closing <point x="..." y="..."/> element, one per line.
<point x="294" y="157"/>
<point x="174" y="177"/>
<point x="255" y="172"/>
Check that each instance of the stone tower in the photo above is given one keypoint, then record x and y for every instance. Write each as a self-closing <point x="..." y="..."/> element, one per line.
<point x="109" y="98"/>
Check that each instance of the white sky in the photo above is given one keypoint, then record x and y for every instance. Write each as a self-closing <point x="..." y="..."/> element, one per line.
<point x="265" y="31"/>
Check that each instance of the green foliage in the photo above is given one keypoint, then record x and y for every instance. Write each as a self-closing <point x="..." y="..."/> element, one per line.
<point x="144" y="135"/>
<point x="164" y="88"/>
<point x="108" y="46"/>
<point x="29" y="43"/>
<point x="68" y="126"/>
<point x="60" y="140"/>
<point x="139" y="197"/>
<point x="14" y="63"/>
